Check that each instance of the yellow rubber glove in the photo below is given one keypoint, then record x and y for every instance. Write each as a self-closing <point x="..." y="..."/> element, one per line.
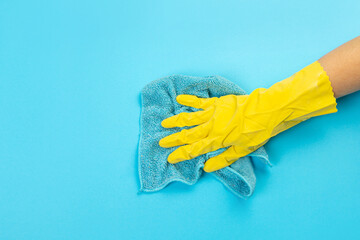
<point x="245" y="123"/>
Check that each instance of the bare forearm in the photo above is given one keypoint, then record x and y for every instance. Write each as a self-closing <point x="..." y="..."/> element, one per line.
<point x="343" y="67"/>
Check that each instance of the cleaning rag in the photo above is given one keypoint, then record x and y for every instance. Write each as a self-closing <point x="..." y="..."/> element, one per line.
<point x="158" y="101"/>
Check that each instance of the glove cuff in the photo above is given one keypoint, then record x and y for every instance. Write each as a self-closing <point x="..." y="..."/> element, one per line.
<point x="307" y="93"/>
<point x="310" y="93"/>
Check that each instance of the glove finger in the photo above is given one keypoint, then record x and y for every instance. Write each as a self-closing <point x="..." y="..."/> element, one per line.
<point x="191" y="151"/>
<point x="186" y="119"/>
<point x="194" y="101"/>
<point x="185" y="136"/>
<point x="228" y="157"/>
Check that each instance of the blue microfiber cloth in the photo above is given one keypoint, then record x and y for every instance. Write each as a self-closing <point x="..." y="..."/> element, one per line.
<point x="158" y="100"/>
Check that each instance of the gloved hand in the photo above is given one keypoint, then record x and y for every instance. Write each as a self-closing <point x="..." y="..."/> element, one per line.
<point x="245" y="123"/>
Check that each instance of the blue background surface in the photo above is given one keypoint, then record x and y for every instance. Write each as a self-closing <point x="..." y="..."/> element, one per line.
<point x="70" y="77"/>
